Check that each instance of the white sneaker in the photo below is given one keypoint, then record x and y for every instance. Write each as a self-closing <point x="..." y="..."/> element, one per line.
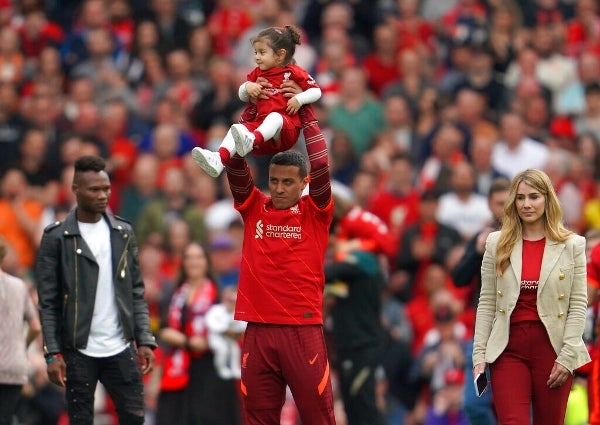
<point x="244" y="140"/>
<point x="209" y="161"/>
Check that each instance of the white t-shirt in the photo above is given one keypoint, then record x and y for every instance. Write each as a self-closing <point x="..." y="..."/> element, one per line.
<point x="467" y="217"/>
<point x="529" y="154"/>
<point x="106" y="336"/>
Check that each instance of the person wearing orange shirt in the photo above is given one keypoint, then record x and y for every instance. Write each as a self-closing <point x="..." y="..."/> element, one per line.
<point x="20" y="224"/>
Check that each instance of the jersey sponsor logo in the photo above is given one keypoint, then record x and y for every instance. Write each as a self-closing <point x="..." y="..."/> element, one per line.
<point x="258" y="234"/>
<point x="283" y="232"/>
<point x="529" y="285"/>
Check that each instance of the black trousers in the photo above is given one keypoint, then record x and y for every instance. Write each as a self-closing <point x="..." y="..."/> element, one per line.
<point x="9" y="398"/>
<point x="357" y="383"/>
<point x="121" y="376"/>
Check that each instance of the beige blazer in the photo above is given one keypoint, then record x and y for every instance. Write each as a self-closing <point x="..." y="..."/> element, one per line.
<point x="561" y="300"/>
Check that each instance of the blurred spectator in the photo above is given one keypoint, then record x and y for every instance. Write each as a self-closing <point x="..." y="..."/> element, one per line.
<point x="400" y="124"/>
<point x="423" y="243"/>
<point x="481" y="159"/>
<point x="354" y="282"/>
<point x="414" y="32"/>
<point x="481" y="78"/>
<point x="11" y="125"/>
<point x="37" y="33"/>
<point x="225" y="255"/>
<point x="357" y="19"/>
<point x="335" y="56"/>
<point x="12" y="59"/>
<point x="581" y="32"/>
<point x="177" y="236"/>
<point x="182" y="86"/>
<point x="227" y="23"/>
<point x="169" y="112"/>
<point x="357" y="229"/>
<point x="17" y="309"/>
<point x="537" y="116"/>
<point x="48" y="69"/>
<point x="474" y="116"/>
<point x="343" y="160"/>
<point x="201" y="49"/>
<point x="142" y="187"/>
<point x="589" y="120"/>
<point x="553" y="70"/>
<point x="166" y="146"/>
<point x="569" y="194"/>
<point x="153" y="76"/>
<point x="415" y="78"/>
<point x="220" y="104"/>
<point x="462" y="208"/>
<point x="357" y="113"/>
<point x="121" y="22"/>
<point x="21" y="215"/>
<point x="505" y="34"/>
<point x="173" y="28"/>
<point x="121" y="150"/>
<point x="441" y="354"/>
<point x="188" y="394"/>
<point x="447" y="405"/>
<point x="447" y="148"/>
<point x="381" y="65"/>
<point x="41" y="175"/>
<point x="224" y="337"/>
<point x="92" y="15"/>
<point x="155" y="217"/>
<point x="396" y="202"/>
<point x="364" y="184"/>
<point x="515" y="151"/>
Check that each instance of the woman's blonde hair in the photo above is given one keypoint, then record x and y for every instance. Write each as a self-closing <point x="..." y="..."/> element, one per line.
<point x="511" y="230"/>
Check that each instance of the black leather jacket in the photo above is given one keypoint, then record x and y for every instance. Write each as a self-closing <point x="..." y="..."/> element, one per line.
<point x="66" y="274"/>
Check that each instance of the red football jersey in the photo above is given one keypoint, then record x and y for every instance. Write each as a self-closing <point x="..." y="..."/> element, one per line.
<point x="276" y="101"/>
<point x="281" y="276"/>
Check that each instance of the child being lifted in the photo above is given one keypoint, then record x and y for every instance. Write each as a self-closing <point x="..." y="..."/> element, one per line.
<point x="275" y="126"/>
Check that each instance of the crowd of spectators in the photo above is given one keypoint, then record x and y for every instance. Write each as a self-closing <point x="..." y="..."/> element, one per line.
<point x="424" y="103"/>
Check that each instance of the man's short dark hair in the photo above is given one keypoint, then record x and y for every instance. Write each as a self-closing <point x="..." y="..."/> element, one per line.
<point x="89" y="163"/>
<point x="499" y="184"/>
<point x="291" y="157"/>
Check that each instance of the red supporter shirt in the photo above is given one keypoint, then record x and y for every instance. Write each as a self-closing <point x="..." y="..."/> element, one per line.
<point x="593" y="267"/>
<point x="397" y="211"/>
<point x="276" y="101"/>
<point x="370" y="229"/>
<point x="526" y="308"/>
<point x="281" y="275"/>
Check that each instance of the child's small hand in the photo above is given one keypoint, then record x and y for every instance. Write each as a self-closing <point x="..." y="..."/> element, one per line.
<point x="293" y="106"/>
<point x="253" y="89"/>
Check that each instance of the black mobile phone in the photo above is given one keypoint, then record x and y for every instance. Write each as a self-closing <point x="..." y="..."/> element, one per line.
<point x="481" y="384"/>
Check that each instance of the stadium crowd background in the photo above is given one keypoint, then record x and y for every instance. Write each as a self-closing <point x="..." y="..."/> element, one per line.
<point x="424" y="103"/>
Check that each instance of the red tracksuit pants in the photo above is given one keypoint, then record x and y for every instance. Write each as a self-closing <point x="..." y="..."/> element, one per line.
<point x="519" y="378"/>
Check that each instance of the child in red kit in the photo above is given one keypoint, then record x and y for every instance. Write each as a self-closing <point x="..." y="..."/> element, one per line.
<point x="276" y="126"/>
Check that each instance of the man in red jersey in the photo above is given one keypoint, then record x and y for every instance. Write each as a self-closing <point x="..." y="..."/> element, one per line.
<point x="280" y="292"/>
<point x="593" y="279"/>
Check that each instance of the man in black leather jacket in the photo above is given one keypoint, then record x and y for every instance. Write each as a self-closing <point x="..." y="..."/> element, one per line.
<point x="95" y="321"/>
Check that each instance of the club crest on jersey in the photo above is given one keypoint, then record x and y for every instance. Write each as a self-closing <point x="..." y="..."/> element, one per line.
<point x="286" y="76"/>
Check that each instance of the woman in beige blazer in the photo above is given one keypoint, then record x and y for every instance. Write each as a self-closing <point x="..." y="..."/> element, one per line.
<point x="532" y="306"/>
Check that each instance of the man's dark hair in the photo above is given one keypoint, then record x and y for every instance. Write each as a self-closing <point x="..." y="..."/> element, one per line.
<point x="89" y="163"/>
<point x="499" y="184"/>
<point x="291" y="157"/>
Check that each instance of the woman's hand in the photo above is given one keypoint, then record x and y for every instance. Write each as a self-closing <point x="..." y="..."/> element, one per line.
<point x="558" y="376"/>
<point x="479" y="368"/>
